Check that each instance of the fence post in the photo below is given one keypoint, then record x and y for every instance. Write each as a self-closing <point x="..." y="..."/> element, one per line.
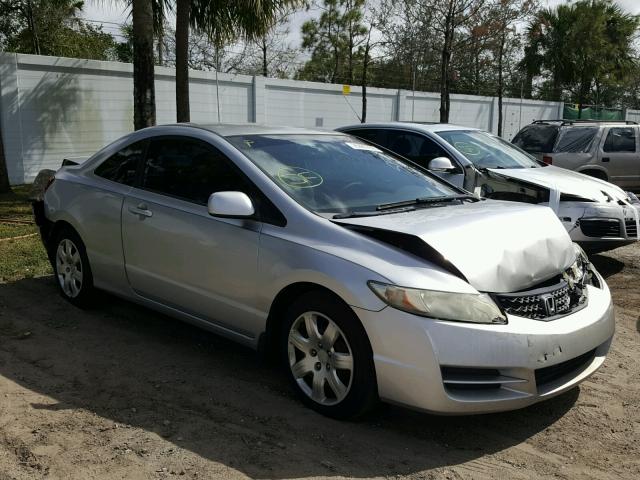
<point x="401" y="106"/>
<point x="259" y="90"/>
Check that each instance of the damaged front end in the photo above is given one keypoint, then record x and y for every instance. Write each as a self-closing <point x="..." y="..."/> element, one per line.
<point x="559" y="296"/>
<point x="596" y="216"/>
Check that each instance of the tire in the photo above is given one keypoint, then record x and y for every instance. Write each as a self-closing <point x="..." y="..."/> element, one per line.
<point x="71" y="268"/>
<point x="336" y="379"/>
<point x="595" y="174"/>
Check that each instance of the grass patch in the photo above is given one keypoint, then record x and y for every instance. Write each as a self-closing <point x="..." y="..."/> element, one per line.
<point x="22" y="257"/>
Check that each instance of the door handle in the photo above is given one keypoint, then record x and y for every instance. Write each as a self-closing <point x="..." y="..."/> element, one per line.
<point x="606" y="159"/>
<point x="142" y="210"/>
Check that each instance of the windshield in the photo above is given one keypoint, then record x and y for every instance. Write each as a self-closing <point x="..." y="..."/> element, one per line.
<point x="488" y="151"/>
<point x="336" y="173"/>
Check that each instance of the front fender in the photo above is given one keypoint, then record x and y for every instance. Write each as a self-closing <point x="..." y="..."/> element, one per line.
<point x="283" y="262"/>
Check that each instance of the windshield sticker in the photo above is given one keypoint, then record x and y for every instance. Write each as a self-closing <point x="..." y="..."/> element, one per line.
<point x="467" y="148"/>
<point x="363" y="146"/>
<point x="296" y="177"/>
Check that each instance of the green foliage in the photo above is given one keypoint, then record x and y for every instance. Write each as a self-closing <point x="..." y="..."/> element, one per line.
<point x="52" y="27"/>
<point x="336" y="42"/>
<point x="585" y="49"/>
<point x="224" y="21"/>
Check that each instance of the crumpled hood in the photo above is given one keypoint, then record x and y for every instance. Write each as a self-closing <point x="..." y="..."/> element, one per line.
<point x="566" y="181"/>
<point x="497" y="246"/>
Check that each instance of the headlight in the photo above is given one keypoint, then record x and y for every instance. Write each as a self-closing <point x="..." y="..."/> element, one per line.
<point x="462" y="307"/>
<point x="633" y="198"/>
<point x="581" y="272"/>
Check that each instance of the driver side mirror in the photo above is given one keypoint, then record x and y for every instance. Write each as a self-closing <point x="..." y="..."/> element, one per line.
<point x="230" y="205"/>
<point x="441" y="164"/>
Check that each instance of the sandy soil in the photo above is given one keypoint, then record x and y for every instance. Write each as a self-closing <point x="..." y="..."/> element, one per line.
<point x="121" y="392"/>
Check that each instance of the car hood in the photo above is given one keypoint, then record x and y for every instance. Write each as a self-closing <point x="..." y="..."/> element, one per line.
<point x="567" y="182"/>
<point x="496" y="246"/>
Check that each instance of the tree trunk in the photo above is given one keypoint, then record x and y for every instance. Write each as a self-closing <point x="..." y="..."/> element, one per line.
<point x="4" y="173"/>
<point x="528" y="85"/>
<point x="476" y="66"/>
<point x="183" y="12"/>
<point x="365" y="67"/>
<point x="445" y="100"/>
<point x="31" y="21"/>
<point x="144" y="94"/>
<point x="500" y="78"/>
<point x="161" y="45"/>
<point x="265" y="63"/>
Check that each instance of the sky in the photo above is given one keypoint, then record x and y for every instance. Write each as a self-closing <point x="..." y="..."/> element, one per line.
<point x="113" y="14"/>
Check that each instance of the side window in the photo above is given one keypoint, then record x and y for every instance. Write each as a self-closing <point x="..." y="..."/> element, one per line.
<point x="372" y="135"/>
<point x="123" y="166"/>
<point x="189" y="169"/>
<point x="538" y="138"/>
<point x="415" y="147"/>
<point x="620" y="140"/>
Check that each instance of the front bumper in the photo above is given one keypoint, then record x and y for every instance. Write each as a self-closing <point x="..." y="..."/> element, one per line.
<point x="598" y="226"/>
<point x="526" y="361"/>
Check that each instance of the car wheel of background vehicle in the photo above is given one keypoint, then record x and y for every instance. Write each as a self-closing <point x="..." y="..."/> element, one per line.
<point x="595" y="174"/>
<point x="71" y="267"/>
<point x="328" y="357"/>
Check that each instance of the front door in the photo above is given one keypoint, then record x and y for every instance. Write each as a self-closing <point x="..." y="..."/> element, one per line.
<point x="177" y="254"/>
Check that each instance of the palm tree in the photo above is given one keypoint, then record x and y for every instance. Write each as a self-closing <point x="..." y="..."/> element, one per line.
<point x="223" y="21"/>
<point x="144" y="93"/>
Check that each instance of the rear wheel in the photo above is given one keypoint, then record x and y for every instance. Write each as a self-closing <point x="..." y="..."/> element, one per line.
<point x="595" y="174"/>
<point x="328" y="357"/>
<point x="71" y="267"/>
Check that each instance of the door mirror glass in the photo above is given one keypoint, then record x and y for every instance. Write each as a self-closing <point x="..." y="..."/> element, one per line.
<point x="441" y="164"/>
<point x="230" y="204"/>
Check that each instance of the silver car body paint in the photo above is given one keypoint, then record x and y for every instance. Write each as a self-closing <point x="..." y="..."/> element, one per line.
<point x="224" y="274"/>
<point x="497" y="249"/>
<point x="603" y="199"/>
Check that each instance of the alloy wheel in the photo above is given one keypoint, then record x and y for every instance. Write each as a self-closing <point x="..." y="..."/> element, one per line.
<point x="69" y="268"/>
<point x="320" y="358"/>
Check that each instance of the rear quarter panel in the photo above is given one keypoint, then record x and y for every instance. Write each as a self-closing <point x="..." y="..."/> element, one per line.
<point x="93" y="208"/>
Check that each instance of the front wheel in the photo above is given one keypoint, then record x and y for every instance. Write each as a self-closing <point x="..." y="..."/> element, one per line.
<point x="328" y="357"/>
<point x="71" y="268"/>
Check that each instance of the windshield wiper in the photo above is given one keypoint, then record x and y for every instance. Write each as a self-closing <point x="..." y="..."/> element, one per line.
<point x="496" y="167"/>
<point x="371" y="213"/>
<point x="425" y="201"/>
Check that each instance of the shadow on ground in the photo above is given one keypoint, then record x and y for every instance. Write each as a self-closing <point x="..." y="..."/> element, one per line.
<point x="221" y="401"/>
<point x="606" y="265"/>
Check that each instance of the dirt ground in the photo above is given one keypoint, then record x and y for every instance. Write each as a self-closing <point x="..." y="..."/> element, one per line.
<point x="122" y="392"/>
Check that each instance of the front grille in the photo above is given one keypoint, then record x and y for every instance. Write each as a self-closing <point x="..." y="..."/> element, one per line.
<point x="632" y="227"/>
<point x="544" y="303"/>
<point x="603" y="227"/>
<point x="554" y="372"/>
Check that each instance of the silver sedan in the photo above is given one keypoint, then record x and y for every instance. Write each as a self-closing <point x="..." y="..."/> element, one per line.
<point x="369" y="277"/>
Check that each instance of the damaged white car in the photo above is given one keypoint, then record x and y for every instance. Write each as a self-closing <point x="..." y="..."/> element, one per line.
<point x="370" y="278"/>
<point x="598" y="215"/>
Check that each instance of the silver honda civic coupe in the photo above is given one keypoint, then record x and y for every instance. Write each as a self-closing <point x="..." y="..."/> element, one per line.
<point x="368" y="276"/>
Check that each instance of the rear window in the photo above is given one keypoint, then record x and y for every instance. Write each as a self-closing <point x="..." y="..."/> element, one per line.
<point x="537" y="138"/>
<point x="575" y="139"/>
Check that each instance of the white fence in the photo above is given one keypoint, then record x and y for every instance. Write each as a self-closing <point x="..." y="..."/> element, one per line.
<point x="632" y="115"/>
<point x="53" y="108"/>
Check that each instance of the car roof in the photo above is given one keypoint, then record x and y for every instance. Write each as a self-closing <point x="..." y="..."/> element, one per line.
<point x="414" y="126"/>
<point x="230" y="129"/>
<point x="583" y="123"/>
